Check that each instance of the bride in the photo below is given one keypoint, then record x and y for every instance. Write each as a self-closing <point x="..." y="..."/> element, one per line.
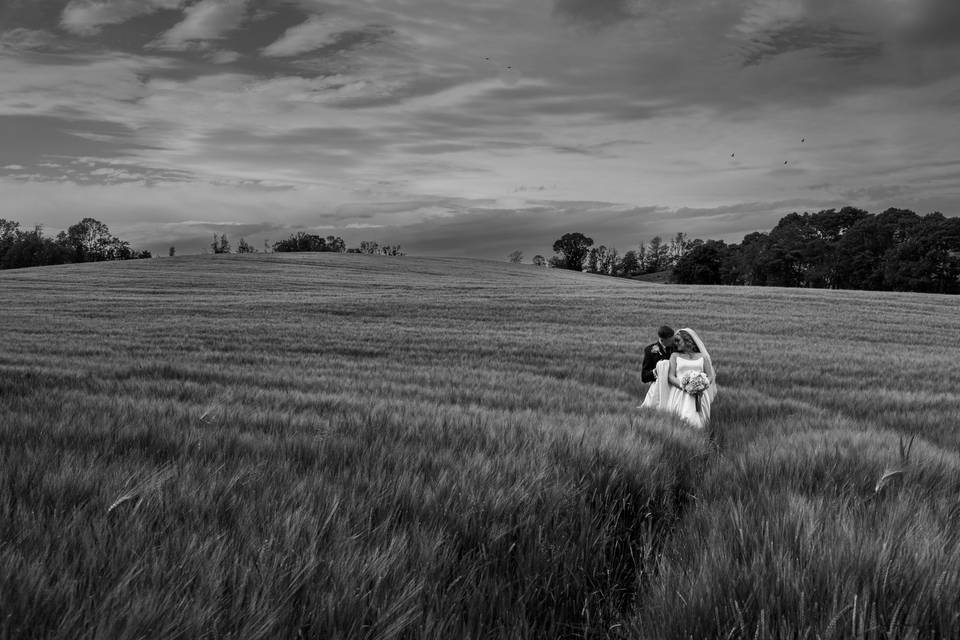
<point x="666" y="392"/>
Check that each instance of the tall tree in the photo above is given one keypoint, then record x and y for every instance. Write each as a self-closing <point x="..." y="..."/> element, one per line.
<point x="90" y="241"/>
<point x="596" y="258"/>
<point x="678" y="246"/>
<point x="572" y="250"/>
<point x="656" y="255"/>
<point x="515" y="257"/>
<point x="629" y="265"/>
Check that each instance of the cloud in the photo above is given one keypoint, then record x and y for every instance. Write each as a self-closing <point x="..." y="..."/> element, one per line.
<point x="597" y="13"/>
<point x="828" y="41"/>
<point x="224" y="57"/>
<point x="315" y="33"/>
<point x="21" y="39"/>
<point x="206" y="20"/>
<point x="86" y="17"/>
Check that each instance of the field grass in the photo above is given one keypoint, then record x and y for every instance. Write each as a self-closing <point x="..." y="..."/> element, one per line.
<point x="339" y="446"/>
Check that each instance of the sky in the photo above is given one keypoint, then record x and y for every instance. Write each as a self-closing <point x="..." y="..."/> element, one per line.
<point x="472" y="127"/>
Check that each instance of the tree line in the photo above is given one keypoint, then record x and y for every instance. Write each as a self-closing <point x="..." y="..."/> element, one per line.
<point x="86" y="241"/>
<point x="896" y="250"/>
<point x="575" y="251"/>
<point x="302" y="241"/>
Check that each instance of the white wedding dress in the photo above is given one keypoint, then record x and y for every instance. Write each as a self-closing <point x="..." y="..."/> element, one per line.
<point x="661" y="395"/>
<point x="684" y="404"/>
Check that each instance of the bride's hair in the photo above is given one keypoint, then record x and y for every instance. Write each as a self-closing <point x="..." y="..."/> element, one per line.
<point x="688" y="341"/>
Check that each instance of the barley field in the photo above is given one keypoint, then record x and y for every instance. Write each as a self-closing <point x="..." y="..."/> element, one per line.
<point x="340" y="446"/>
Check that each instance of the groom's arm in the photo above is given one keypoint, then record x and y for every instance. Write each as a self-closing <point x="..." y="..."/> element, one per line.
<point x="647" y="369"/>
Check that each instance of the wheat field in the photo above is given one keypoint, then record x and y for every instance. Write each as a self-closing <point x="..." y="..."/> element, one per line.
<point x="342" y="446"/>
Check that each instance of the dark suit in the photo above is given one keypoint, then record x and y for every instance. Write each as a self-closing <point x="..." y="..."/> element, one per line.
<point x="653" y="354"/>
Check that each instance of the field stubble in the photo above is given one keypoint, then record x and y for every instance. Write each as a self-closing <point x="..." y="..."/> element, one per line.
<point x="344" y="446"/>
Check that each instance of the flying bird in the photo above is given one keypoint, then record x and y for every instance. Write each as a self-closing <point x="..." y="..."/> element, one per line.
<point x="803" y="139"/>
<point x="732" y="154"/>
<point x="784" y="162"/>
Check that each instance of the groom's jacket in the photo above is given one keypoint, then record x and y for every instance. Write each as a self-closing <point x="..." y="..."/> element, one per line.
<point x="653" y="354"/>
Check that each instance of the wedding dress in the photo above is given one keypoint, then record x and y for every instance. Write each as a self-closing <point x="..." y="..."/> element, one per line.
<point x="684" y="404"/>
<point x="661" y="395"/>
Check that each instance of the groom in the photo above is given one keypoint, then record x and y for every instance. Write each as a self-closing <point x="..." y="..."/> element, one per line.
<point x="654" y="353"/>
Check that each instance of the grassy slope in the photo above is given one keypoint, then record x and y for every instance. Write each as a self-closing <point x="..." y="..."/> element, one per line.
<point x="374" y="447"/>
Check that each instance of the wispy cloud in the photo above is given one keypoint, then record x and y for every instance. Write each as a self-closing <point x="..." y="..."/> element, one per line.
<point x="86" y="17"/>
<point x="315" y="33"/>
<point x="20" y="40"/>
<point x="204" y="21"/>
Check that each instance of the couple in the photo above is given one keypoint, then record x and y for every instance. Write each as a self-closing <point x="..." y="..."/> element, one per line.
<point x="682" y="374"/>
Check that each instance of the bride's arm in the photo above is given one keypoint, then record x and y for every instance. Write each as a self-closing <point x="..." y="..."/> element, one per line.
<point x="672" y="374"/>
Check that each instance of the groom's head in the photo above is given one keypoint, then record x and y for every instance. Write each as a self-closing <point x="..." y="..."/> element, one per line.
<point x="666" y="335"/>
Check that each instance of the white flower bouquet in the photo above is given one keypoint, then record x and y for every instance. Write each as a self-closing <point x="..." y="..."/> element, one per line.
<point x="695" y="383"/>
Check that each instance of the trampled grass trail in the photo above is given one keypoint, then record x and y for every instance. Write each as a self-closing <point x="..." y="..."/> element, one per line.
<point x="334" y="446"/>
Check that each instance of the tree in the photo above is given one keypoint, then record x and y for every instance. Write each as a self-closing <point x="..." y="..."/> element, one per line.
<point x="750" y="268"/>
<point x="300" y="241"/>
<point x="702" y="263"/>
<point x="369" y="247"/>
<point x="29" y="248"/>
<point x="678" y="246"/>
<point x="516" y="257"/>
<point x="221" y="244"/>
<point x="539" y="261"/>
<point x="173" y="251"/>
<point x="629" y="265"/>
<point x="611" y="262"/>
<point x="90" y="241"/>
<point x="863" y="249"/>
<point x="243" y="247"/>
<point x="572" y="249"/>
<point x="928" y="260"/>
<point x="596" y="259"/>
<point x="335" y="244"/>
<point x="656" y="255"/>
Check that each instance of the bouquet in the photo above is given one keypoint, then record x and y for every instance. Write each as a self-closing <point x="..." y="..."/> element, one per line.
<point x="695" y="383"/>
